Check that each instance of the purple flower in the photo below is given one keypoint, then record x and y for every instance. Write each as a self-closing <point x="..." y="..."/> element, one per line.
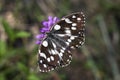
<point x="46" y="28"/>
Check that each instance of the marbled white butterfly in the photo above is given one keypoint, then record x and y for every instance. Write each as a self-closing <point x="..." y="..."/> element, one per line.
<point x="58" y="41"/>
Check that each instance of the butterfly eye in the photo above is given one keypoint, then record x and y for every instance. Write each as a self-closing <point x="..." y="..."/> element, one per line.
<point x="58" y="38"/>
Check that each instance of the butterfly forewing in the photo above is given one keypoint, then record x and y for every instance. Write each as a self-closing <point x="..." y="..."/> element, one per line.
<point x="55" y="50"/>
<point x="72" y="29"/>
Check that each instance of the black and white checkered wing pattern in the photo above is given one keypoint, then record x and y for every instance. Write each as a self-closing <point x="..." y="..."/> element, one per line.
<point x="67" y="34"/>
<point x="71" y="29"/>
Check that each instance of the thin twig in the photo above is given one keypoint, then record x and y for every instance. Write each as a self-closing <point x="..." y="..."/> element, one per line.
<point x="111" y="51"/>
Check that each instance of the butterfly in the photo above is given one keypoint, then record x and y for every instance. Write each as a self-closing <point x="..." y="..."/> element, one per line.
<point x="65" y="35"/>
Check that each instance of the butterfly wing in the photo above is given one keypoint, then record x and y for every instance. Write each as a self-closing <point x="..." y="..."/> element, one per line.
<point x="72" y="29"/>
<point x="52" y="56"/>
<point x="55" y="50"/>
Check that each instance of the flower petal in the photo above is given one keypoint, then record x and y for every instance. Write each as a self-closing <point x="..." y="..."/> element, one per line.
<point x="55" y="19"/>
<point x="38" y="42"/>
<point x="50" y="23"/>
<point x="44" y="30"/>
<point x="45" y="23"/>
<point x="40" y="36"/>
<point x="50" y="17"/>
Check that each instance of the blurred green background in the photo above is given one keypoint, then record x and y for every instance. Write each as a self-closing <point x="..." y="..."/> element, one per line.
<point x="98" y="59"/>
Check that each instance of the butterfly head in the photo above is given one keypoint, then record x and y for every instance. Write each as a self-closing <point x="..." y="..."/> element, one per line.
<point x="46" y="28"/>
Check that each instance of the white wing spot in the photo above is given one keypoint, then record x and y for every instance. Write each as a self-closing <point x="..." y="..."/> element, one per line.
<point x="63" y="18"/>
<point x="67" y="43"/>
<point x="74" y="24"/>
<point x="62" y="51"/>
<point x="63" y="48"/>
<point x="40" y="70"/>
<point x="83" y="24"/>
<point x="72" y="47"/>
<point x="39" y="51"/>
<point x="73" y="28"/>
<point x="52" y="58"/>
<point x="70" y="56"/>
<point x="83" y="35"/>
<point x="83" y="15"/>
<point x="67" y="28"/>
<point x="72" y="37"/>
<point x="48" y="59"/>
<point x="45" y="65"/>
<point x="63" y="65"/>
<point x="61" y="54"/>
<point x="76" y="45"/>
<point x="67" y="20"/>
<point x="73" y="16"/>
<point x="78" y="19"/>
<point x="79" y="32"/>
<point x="53" y="52"/>
<point x="68" y="31"/>
<point x="69" y="40"/>
<point x="58" y="62"/>
<point x="80" y="42"/>
<point x="52" y="69"/>
<point x="61" y="35"/>
<point x="43" y="55"/>
<point x="45" y="43"/>
<point x="81" y="12"/>
<point x="68" y="60"/>
<point x="41" y="61"/>
<point x="69" y="51"/>
<point x="83" y="21"/>
<point x="57" y="27"/>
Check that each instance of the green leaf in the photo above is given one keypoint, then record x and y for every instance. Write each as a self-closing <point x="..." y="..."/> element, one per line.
<point x="33" y="77"/>
<point x="22" y="34"/>
<point x="2" y="47"/>
<point x="22" y="67"/>
<point x="8" y="30"/>
<point x="2" y="77"/>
